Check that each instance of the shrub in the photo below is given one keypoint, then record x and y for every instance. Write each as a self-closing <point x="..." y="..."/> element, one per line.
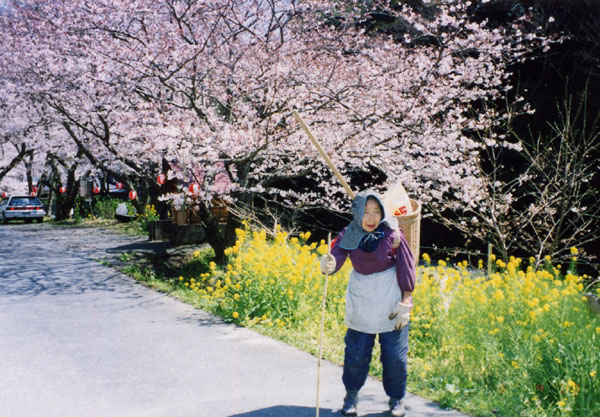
<point x="273" y="282"/>
<point x="149" y="215"/>
<point x="521" y="340"/>
<point x="105" y="207"/>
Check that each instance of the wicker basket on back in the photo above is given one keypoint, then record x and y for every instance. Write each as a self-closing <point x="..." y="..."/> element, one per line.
<point x="411" y="226"/>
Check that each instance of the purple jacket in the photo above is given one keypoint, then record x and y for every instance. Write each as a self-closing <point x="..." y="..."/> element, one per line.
<point x="384" y="257"/>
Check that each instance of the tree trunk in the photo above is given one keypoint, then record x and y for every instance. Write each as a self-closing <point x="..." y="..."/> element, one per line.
<point x="219" y="236"/>
<point x="67" y="202"/>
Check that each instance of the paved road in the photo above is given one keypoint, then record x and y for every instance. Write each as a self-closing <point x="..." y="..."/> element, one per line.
<point x="80" y="339"/>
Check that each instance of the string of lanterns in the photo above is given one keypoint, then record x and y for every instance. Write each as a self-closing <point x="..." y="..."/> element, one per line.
<point x="193" y="188"/>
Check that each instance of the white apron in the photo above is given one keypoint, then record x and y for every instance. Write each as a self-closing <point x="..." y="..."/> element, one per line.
<point x="370" y="299"/>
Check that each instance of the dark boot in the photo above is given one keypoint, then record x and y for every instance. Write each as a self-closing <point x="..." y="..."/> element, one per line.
<point x="350" y="401"/>
<point x="397" y="407"/>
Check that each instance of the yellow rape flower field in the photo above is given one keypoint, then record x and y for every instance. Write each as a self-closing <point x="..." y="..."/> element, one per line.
<point x="521" y="342"/>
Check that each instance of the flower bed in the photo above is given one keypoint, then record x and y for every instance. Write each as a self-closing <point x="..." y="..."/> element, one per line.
<point x="519" y="342"/>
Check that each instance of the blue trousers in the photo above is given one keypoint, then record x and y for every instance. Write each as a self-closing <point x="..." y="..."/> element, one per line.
<point x="357" y="357"/>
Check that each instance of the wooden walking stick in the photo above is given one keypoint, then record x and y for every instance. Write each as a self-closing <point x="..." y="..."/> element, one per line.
<point x="322" y="326"/>
<point x="317" y="145"/>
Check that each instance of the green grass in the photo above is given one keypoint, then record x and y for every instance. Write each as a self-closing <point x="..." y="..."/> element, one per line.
<point x="131" y="228"/>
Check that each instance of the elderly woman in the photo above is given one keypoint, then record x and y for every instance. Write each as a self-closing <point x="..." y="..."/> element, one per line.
<point x="378" y="299"/>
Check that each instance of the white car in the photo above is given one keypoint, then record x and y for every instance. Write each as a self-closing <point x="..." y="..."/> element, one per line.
<point x="19" y="207"/>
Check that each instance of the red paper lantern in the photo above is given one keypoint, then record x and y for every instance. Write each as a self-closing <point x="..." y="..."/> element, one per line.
<point x="62" y="190"/>
<point x="132" y="195"/>
<point x="34" y="190"/>
<point x="4" y="194"/>
<point x="161" y="178"/>
<point x="95" y="189"/>
<point x="119" y="186"/>
<point x="194" y="188"/>
<point x="33" y="194"/>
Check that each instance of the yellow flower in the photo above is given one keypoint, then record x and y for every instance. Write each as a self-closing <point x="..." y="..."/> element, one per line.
<point x="426" y="258"/>
<point x="573" y="387"/>
<point x="574" y="251"/>
<point x="235" y="314"/>
<point x="593" y="373"/>
<point x="196" y="253"/>
<point x="547" y="258"/>
<point x="322" y="249"/>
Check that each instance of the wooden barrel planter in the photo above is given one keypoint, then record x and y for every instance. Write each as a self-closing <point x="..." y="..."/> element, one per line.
<point x="187" y="216"/>
<point x="179" y="217"/>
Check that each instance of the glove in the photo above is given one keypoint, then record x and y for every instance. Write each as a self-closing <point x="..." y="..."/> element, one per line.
<point x="402" y="315"/>
<point x="327" y="264"/>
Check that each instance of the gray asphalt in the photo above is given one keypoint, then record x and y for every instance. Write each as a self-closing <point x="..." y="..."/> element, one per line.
<point x="80" y="339"/>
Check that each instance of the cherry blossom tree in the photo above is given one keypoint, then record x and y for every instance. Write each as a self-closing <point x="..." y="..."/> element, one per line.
<point x="14" y="149"/>
<point x="57" y="70"/>
<point x="41" y="154"/>
<point x="24" y="156"/>
<point x="209" y="87"/>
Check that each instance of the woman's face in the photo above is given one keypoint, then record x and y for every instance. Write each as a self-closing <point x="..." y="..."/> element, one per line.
<point x="372" y="215"/>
